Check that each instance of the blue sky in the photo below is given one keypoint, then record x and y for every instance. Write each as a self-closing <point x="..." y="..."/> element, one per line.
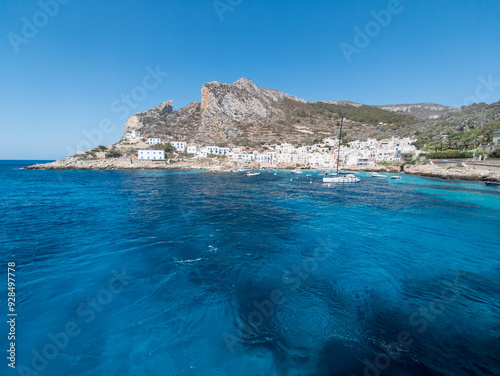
<point x="66" y="65"/>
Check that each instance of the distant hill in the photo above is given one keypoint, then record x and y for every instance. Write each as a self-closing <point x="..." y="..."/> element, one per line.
<point x="242" y="114"/>
<point x="421" y="111"/>
<point x="367" y="114"/>
<point x="481" y="117"/>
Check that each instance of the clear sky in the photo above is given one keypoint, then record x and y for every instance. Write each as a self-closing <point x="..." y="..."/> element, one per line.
<point x="68" y="66"/>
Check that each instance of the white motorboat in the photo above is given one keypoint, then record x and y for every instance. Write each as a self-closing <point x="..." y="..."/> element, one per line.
<point x="252" y="173"/>
<point x="296" y="171"/>
<point x="395" y="177"/>
<point x="376" y="175"/>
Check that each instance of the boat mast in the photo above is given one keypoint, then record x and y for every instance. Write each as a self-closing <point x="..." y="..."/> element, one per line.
<point x="340" y="143"/>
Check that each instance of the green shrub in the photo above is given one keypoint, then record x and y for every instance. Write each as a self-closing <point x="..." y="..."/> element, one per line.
<point x="113" y="153"/>
<point x="494" y="154"/>
<point x="447" y="154"/>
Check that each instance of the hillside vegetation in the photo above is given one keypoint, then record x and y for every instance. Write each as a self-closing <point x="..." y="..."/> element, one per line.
<point x="367" y="114"/>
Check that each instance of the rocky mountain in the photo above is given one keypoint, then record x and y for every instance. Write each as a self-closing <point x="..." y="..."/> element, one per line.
<point x="242" y="114"/>
<point x="421" y="111"/>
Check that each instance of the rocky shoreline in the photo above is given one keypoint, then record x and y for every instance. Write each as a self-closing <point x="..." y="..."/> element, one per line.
<point x="453" y="172"/>
<point x="464" y="172"/>
<point x="126" y="164"/>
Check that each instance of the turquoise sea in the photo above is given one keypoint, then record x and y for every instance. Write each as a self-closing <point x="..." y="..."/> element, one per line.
<point x="191" y="273"/>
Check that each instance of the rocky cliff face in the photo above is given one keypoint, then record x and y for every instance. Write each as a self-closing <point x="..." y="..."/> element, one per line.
<point x="226" y="107"/>
<point x="422" y="111"/>
<point x="155" y="114"/>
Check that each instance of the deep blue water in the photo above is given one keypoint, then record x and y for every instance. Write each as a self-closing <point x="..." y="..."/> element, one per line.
<point x="222" y="274"/>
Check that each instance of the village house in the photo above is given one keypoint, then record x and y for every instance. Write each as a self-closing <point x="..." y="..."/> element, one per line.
<point x="132" y="135"/>
<point x="151" y="154"/>
<point x="179" y="146"/>
<point x="154" y="141"/>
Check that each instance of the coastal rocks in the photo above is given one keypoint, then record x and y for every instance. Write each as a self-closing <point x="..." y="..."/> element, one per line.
<point x="129" y="164"/>
<point x="454" y="172"/>
<point x="377" y="168"/>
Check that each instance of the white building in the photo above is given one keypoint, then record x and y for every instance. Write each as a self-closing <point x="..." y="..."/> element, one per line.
<point x="191" y="149"/>
<point x="180" y="146"/>
<point x="496" y="137"/>
<point x="331" y="141"/>
<point x="132" y="135"/>
<point x="154" y="141"/>
<point x="201" y="153"/>
<point x="151" y="154"/>
<point x="212" y="149"/>
<point x="242" y="156"/>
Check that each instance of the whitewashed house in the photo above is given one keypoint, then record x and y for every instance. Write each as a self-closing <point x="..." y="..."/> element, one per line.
<point x="132" y="135"/>
<point x="178" y="145"/>
<point x="158" y="155"/>
<point x="496" y="137"/>
<point x="212" y="149"/>
<point x="262" y="157"/>
<point x="330" y="141"/>
<point x="191" y="149"/>
<point x="222" y="151"/>
<point x="154" y="141"/>
<point x="201" y="153"/>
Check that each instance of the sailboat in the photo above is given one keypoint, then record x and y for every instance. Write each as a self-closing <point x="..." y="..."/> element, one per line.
<point x="340" y="177"/>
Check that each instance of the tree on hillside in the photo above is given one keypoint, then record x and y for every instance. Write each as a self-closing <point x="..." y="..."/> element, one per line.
<point x="169" y="148"/>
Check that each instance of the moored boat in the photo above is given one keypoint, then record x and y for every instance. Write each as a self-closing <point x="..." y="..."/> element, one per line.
<point x="340" y="177"/>
<point x="348" y="178"/>
<point x="492" y="183"/>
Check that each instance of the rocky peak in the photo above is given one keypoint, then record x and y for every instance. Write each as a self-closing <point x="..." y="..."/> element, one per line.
<point x="246" y="84"/>
<point x="162" y="109"/>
